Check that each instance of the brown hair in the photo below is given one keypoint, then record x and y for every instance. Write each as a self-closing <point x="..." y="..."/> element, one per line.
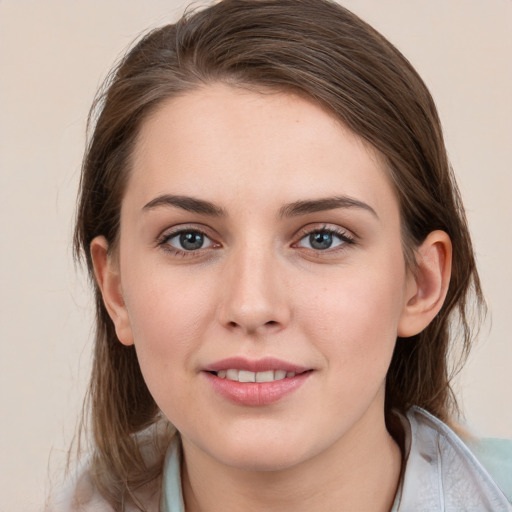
<point x="318" y="49"/>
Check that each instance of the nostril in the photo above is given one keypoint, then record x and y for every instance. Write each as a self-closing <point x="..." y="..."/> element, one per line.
<point x="271" y="323"/>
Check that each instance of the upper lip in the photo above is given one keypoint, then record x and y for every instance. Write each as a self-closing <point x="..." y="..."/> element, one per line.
<point x="255" y="365"/>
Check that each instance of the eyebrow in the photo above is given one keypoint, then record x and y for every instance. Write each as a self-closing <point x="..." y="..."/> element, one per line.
<point x="189" y="204"/>
<point x="319" y="205"/>
<point x="295" y="209"/>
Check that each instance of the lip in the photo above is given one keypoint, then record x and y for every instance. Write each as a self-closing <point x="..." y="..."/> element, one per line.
<point x="257" y="365"/>
<point x="255" y="394"/>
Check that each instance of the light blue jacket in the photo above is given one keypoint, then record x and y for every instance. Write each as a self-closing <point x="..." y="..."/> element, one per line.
<point x="443" y="475"/>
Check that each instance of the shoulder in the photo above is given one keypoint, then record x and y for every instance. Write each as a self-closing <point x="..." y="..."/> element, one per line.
<point x="496" y="456"/>
<point x="79" y="494"/>
<point x="442" y="472"/>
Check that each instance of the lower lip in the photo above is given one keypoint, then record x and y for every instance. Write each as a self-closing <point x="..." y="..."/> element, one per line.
<point x="256" y="393"/>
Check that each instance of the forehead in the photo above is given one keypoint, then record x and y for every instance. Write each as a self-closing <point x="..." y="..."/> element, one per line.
<point x="219" y="142"/>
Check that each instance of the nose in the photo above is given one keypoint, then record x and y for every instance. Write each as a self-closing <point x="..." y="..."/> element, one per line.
<point x="254" y="299"/>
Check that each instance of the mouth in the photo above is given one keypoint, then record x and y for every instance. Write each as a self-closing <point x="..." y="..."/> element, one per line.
<point x="255" y="382"/>
<point x="268" y="369"/>
<point x="237" y="375"/>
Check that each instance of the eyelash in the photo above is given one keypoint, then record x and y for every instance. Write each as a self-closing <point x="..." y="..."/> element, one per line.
<point x="163" y="242"/>
<point x="344" y="237"/>
<point x="341" y="234"/>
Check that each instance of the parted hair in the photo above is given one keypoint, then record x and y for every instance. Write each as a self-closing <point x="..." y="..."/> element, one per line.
<point x="320" y="50"/>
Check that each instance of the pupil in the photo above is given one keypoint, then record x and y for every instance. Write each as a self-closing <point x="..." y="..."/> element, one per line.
<point x="320" y="240"/>
<point x="191" y="241"/>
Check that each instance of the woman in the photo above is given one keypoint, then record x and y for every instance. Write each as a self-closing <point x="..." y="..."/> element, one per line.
<point x="278" y="249"/>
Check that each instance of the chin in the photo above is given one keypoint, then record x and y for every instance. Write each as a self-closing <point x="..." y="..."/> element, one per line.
<point x="260" y="454"/>
<point x="262" y="461"/>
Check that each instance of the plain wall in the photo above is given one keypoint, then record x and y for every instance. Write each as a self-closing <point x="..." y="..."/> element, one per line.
<point x="53" y="56"/>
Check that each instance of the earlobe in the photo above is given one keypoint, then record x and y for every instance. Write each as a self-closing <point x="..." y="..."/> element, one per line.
<point x="107" y="276"/>
<point x="427" y="287"/>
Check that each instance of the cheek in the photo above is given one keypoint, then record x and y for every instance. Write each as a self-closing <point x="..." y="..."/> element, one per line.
<point x="354" y="319"/>
<point x="168" y="315"/>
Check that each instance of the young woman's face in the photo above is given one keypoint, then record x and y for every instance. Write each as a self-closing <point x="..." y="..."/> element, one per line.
<point x="260" y="241"/>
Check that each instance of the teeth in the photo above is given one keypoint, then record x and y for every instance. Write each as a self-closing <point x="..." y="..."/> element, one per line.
<point x="265" y="376"/>
<point x="232" y="374"/>
<point x="247" y="376"/>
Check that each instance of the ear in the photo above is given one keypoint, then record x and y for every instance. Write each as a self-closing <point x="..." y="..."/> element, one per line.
<point x="106" y="271"/>
<point x="427" y="286"/>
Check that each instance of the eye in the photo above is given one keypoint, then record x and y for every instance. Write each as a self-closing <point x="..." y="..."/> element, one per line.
<point x="188" y="240"/>
<point x="324" y="239"/>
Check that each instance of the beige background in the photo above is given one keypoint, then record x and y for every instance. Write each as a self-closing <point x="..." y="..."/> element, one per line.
<point x="53" y="55"/>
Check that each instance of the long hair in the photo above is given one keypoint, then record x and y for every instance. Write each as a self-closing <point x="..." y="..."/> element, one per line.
<point x="318" y="49"/>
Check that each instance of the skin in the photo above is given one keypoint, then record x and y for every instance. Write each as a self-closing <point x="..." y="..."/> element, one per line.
<point x="258" y="288"/>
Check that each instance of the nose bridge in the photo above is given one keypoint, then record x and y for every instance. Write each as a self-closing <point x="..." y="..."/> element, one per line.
<point x="254" y="297"/>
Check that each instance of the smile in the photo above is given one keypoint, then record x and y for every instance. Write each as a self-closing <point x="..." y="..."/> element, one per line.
<point x="248" y="376"/>
<point x="255" y="383"/>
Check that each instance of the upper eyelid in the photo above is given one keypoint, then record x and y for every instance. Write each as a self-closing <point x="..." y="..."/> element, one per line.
<point x="176" y="230"/>
<point x="331" y="228"/>
<point x="163" y="242"/>
<point x="174" y="234"/>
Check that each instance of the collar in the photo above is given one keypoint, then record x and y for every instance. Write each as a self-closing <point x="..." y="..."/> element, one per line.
<point x="441" y="473"/>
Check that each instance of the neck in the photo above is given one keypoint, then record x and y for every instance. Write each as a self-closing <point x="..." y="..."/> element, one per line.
<point x="361" y="472"/>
